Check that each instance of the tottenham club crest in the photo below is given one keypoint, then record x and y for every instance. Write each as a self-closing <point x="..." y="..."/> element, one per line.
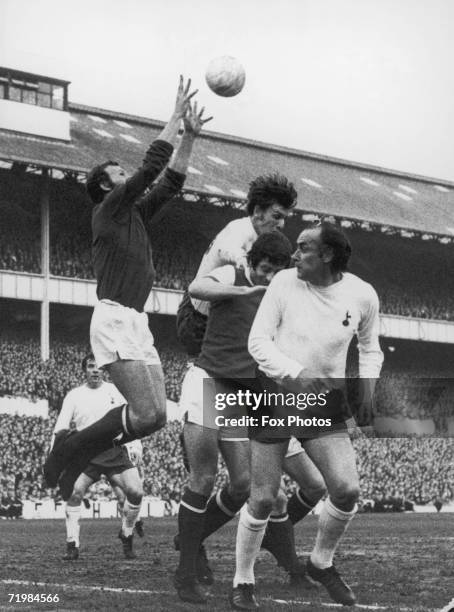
<point x="346" y="321"/>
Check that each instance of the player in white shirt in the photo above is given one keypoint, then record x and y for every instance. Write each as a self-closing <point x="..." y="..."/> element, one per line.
<point x="83" y="406"/>
<point x="269" y="202"/>
<point x="299" y="339"/>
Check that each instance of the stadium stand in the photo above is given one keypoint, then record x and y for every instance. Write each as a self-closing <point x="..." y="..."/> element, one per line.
<point x="401" y="269"/>
<point x="414" y="469"/>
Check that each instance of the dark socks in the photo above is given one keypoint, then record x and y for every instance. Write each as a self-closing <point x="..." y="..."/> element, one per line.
<point x="220" y="510"/>
<point x="279" y="540"/>
<point x="191" y="520"/>
<point x="298" y="506"/>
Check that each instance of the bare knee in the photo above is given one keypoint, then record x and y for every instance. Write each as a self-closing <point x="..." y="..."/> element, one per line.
<point x="148" y="422"/>
<point x="240" y="488"/>
<point x="345" y="495"/>
<point x="201" y="482"/>
<point x="76" y="497"/>
<point x="315" y="492"/>
<point x="134" y="495"/>
<point x="263" y="501"/>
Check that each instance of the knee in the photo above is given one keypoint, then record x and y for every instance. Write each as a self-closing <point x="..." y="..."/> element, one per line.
<point x="149" y="423"/>
<point x="201" y="482"/>
<point x="263" y="501"/>
<point x="240" y="488"/>
<point x="76" y="497"/>
<point x="345" y="495"/>
<point x="134" y="496"/>
<point x="315" y="491"/>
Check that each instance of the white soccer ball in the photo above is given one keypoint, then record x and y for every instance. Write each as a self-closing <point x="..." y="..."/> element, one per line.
<point x="225" y="76"/>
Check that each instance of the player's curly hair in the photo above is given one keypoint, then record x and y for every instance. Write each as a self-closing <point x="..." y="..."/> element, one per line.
<point x="332" y="236"/>
<point x="94" y="178"/>
<point x="272" y="246"/>
<point x="85" y="360"/>
<point x="270" y="188"/>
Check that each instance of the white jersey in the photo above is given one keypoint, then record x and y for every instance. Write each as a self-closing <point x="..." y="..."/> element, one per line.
<point x="84" y="405"/>
<point x="230" y="246"/>
<point x="303" y="327"/>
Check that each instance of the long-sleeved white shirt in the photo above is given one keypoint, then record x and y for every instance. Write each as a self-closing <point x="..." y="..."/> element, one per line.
<point x="301" y="327"/>
<point x="230" y="246"/>
<point x="84" y="405"/>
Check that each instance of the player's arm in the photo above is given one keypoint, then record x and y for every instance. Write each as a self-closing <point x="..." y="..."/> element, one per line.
<point x="219" y="285"/>
<point x="174" y="177"/>
<point x="193" y="123"/>
<point x="158" y="155"/>
<point x="370" y="356"/>
<point x="261" y="343"/>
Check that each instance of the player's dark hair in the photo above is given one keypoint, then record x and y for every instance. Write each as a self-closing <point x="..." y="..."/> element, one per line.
<point x="332" y="236"/>
<point x="272" y="246"/>
<point x="94" y="179"/>
<point x="265" y="190"/>
<point x="85" y="360"/>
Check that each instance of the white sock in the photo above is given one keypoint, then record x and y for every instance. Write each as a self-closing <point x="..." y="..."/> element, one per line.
<point x="130" y="515"/>
<point x="72" y="524"/>
<point x="332" y="524"/>
<point x="248" y="541"/>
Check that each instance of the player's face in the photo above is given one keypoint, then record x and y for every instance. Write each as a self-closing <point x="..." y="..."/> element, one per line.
<point x="93" y="374"/>
<point x="263" y="273"/>
<point x="270" y="219"/>
<point x="308" y="256"/>
<point x="116" y="175"/>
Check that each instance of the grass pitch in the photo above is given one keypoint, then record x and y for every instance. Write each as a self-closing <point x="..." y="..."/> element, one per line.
<point x="394" y="562"/>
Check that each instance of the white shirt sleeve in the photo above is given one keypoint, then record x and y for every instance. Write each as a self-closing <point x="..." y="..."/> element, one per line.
<point x="370" y="354"/>
<point x="228" y="248"/>
<point x="261" y="343"/>
<point x="224" y="274"/>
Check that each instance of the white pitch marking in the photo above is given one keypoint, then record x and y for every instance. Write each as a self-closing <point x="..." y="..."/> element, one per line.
<point x="334" y="605"/>
<point x="84" y="587"/>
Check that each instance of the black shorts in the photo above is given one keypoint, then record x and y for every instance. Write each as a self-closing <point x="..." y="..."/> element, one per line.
<point x="274" y="423"/>
<point x="191" y="326"/>
<point x="110" y="462"/>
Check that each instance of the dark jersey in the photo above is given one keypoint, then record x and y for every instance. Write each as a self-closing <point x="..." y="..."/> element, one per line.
<point x="121" y="247"/>
<point x="224" y="350"/>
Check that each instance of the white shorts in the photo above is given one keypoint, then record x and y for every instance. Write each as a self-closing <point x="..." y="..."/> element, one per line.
<point x="198" y="400"/>
<point x="294" y="448"/>
<point x="118" y="332"/>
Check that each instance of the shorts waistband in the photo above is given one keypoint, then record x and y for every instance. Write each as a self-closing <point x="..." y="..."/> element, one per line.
<point x="113" y="303"/>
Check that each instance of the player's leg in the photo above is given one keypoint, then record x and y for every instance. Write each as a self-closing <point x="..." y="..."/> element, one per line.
<point x="121" y="498"/>
<point x="279" y="537"/>
<point x="311" y="485"/>
<point x="266" y="471"/>
<point x="223" y="506"/>
<point x="202" y="452"/>
<point x="334" y="456"/>
<point x="72" y="516"/>
<point x="130" y="483"/>
<point x="122" y="343"/>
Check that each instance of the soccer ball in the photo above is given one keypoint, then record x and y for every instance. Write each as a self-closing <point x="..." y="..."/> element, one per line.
<point x="225" y="76"/>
